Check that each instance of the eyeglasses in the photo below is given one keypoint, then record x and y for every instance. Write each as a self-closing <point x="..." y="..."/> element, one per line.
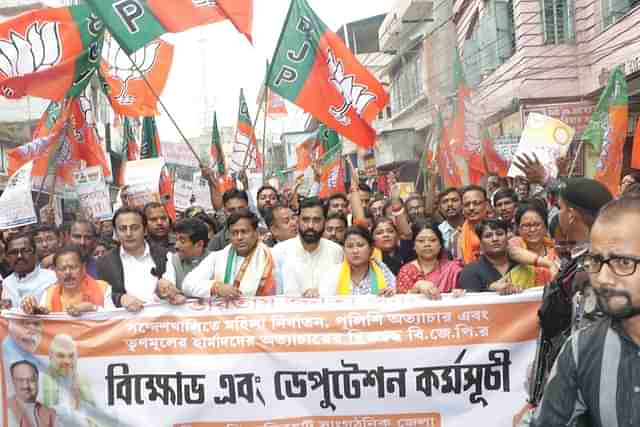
<point x="23" y="251"/>
<point x="620" y="265"/>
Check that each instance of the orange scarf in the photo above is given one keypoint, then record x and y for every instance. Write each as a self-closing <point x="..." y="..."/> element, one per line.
<point x="470" y="243"/>
<point x="89" y="287"/>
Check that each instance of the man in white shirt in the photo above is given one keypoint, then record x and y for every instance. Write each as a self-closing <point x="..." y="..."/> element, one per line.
<point x="28" y="278"/>
<point x="134" y="268"/>
<point x="243" y="268"/>
<point x="302" y="263"/>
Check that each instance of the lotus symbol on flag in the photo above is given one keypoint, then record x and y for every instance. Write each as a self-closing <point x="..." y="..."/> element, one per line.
<point x="40" y="48"/>
<point x="122" y="68"/>
<point x="355" y="96"/>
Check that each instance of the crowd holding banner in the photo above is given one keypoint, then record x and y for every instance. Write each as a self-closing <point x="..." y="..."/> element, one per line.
<point x="343" y="299"/>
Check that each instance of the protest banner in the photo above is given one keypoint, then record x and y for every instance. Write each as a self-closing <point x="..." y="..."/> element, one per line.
<point x="182" y="193"/>
<point x="16" y="201"/>
<point x="201" y="192"/>
<point x="547" y="138"/>
<point x="335" y="361"/>
<point x="93" y="193"/>
<point x="143" y="179"/>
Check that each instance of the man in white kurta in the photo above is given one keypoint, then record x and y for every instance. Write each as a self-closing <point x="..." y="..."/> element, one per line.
<point x="242" y="268"/>
<point x="304" y="262"/>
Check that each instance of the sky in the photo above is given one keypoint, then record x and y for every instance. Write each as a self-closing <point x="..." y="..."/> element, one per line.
<point x="217" y="61"/>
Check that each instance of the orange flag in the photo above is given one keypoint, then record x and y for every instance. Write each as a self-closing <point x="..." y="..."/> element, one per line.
<point x="128" y="92"/>
<point x="305" y="151"/>
<point x="313" y="68"/>
<point x="49" y="53"/>
<point x="63" y="148"/>
<point x="446" y="162"/>
<point x="607" y="130"/>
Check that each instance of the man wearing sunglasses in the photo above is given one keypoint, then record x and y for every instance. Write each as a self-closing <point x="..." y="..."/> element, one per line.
<point x="28" y="278"/>
<point x="596" y="378"/>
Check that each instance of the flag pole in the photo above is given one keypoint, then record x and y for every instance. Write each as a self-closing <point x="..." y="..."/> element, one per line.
<point x="255" y="122"/>
<point x="166" y="110"/>
<point x="575" y="158"/>
<point x="264" y="132"/>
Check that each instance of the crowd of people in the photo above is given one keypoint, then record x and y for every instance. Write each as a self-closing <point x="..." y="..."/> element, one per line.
<point x="504" y="236"/>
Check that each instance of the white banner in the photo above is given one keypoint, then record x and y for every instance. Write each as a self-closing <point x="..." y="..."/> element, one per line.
<point x="16" y="202"/>
<point x="202" y="192"/>
<point x="362" y="361"/>
<point x="143" y="179"/>
<point x="93" y="193"/>
<point x="182" y="192"/>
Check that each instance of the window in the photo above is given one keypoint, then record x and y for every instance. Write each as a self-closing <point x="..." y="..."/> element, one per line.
<point x="490" y="42"/>
<point x="557" y="18"/>
<point x="407" y="84"/>
<point x="614" y="10"/>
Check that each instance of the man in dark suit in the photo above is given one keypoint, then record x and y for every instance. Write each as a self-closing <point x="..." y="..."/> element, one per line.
<point x="133" y="268"/>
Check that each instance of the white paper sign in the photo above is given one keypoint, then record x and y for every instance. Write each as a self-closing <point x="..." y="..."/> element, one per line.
<point x="547" y="138"/>
<point x="143" y="179"/>
<point x="16" y="202"/>
<point x="201" y="192"/>
<point x="93" y="193"/>
<point x="182" y="192"/>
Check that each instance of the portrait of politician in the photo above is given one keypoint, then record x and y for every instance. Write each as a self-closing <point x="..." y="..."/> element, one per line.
<point x="22" y="341"/>
<point x="24" y="408"/>
<point x="63" y="389"/>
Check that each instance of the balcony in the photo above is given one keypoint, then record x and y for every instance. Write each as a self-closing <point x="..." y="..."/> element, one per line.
<point x="403" y="12"/>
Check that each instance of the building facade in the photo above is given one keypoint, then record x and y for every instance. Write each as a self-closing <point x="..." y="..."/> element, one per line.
<point x="551" y="56"/>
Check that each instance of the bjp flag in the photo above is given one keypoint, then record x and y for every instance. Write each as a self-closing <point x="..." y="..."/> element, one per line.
<point x="607" y="130"/>
<point x="313" y="68"/>
<point x="49" y="53"/>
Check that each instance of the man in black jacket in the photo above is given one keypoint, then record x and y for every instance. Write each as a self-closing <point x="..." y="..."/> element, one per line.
<point x="133" y="268"/>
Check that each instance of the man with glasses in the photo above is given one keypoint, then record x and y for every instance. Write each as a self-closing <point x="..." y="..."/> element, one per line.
<point x="28" y="278"/>
<point x="596" y="377"/>
<point x="474" y="209"/>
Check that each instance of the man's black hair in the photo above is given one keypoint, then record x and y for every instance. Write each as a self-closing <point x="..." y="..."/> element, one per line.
<point x="265" y="188"/>
<point x="474" y="187"/>
<point x="92" y="226"/>
<point x="47" y="228"/>
<point x="14" y="365"/>
<point x="68" y="249"/>
<point x="234" y="193"/>
<point x="491" y="224"/>
<point x="243" y="214"/>
<point x="194" y="228"/>
<point x="312" y="202"/>
<point x="129" y="210"/>
<point x="339" y="216"/>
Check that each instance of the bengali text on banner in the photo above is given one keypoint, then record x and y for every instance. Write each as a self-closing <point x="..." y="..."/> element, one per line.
<point x="360" y="362"/>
